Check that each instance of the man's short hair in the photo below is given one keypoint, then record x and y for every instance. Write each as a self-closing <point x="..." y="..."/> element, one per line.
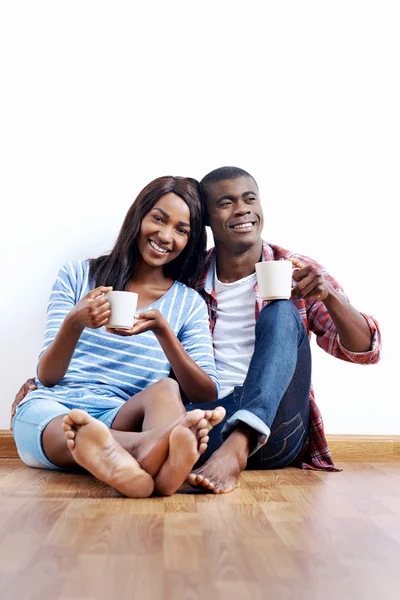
<point x="220" y="174"/>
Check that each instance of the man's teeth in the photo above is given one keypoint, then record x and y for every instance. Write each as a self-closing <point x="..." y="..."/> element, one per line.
<point x="243" y="226"/>
<point x="154" y="245"/>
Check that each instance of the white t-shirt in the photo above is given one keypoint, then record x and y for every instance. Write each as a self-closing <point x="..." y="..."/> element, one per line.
<point x="234" y="332"/>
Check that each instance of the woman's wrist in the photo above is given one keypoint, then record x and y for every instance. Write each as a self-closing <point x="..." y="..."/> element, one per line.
<point x="162" y="328"/>
<point x="73" y="324"/>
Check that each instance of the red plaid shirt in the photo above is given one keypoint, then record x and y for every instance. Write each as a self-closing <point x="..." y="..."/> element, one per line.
<point x="315" y="453"/>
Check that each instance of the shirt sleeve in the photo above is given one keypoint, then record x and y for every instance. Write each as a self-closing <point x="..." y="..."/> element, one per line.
<point x="62" y="300"/>
<point x="321" y="323"/>
<point x="196" y="339"/>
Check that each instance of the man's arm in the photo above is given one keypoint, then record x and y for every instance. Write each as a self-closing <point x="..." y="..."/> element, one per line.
<point x="351" y="326"/>
<point x="23" y="390"/>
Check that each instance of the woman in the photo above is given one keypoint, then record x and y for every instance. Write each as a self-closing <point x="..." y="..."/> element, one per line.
<point x="90" y="378"/>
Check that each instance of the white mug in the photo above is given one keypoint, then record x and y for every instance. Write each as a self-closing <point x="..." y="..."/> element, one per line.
<point x="274" y="279"/>
<point x="123" y="309"/>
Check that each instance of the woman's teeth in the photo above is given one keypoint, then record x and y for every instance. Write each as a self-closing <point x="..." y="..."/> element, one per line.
<point x="158" y="248"/>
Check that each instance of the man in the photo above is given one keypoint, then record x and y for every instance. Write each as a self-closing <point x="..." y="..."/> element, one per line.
<point x="262" y="349"/>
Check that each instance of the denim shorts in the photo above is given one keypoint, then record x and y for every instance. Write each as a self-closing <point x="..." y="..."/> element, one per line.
<point x="32" y="418"/>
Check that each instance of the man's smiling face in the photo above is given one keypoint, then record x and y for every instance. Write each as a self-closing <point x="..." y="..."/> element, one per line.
<point x="235" y="213"/>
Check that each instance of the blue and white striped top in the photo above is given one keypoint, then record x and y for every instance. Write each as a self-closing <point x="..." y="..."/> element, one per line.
<point x="105" y="369"/>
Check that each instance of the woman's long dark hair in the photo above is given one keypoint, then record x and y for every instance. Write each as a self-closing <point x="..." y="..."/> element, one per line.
<point x="115" y="269"/>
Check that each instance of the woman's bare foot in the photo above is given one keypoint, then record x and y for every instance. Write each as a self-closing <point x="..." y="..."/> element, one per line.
<point x="221" y="473"/>
<point x="151" y="448"/>
<point x="187" y="442"/>
<point x="94" y="448"/>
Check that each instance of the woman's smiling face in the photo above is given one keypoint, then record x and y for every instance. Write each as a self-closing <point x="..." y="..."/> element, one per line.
<point x="164" y="231"/>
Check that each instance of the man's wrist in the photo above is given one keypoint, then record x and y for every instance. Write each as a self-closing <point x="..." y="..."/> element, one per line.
<point x="332" y="297"/>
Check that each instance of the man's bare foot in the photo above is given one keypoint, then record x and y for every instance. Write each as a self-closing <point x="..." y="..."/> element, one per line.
<point x="94" y="448"/>
<point x="221" y="473"/>
<point x="187" y="442"/>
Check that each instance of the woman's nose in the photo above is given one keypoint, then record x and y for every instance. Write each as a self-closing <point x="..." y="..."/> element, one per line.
<point x="165" y="234"/>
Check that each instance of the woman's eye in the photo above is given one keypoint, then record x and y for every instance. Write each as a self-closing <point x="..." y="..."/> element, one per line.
<point x="157" y="218"/>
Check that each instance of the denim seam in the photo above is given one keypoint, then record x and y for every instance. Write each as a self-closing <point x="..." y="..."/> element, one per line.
<point x="39" y="425"/>
<point x="298" y="416"/>
<point x="291" y="456"/>
<point x="300" y="425"/>
<point x="242" y="393"/>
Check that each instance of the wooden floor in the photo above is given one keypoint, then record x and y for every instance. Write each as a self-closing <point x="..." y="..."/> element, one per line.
<point x="286" y="534"/>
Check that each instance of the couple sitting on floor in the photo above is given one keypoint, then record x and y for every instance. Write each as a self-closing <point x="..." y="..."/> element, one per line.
<point x="206" y="382"/>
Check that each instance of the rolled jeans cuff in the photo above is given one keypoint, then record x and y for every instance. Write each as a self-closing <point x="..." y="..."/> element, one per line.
<point x="250" y="419"/>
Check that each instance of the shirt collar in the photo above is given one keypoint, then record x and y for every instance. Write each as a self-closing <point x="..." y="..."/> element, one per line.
<point x="209" y="284"/>
<point x="209" y="274"/>
<point x="267" y="252"/>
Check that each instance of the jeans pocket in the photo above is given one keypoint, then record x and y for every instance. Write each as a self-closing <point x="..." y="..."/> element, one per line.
<point x="284" y="440"/>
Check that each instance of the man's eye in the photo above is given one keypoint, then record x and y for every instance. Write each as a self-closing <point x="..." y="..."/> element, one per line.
<point x="227" y="203"/>
<point x="183" y="231"/>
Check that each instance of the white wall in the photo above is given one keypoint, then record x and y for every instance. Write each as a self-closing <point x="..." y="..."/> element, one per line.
<point x="99" y="97"/>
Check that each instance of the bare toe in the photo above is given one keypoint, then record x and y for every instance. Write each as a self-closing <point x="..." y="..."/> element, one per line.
<point x="202" y="424"/>
<point x="192" y="479"/>
<point x="202" y="447"/>
<point x="67" y="421"/>
<point x="79" y="417"/>
<point x="208" y="484"/>
<point x="218" y="414"/>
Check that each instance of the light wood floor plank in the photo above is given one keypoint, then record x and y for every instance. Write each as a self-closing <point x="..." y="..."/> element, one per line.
<point x="283" y="534"/>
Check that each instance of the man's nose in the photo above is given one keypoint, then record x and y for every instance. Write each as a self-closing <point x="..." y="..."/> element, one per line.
<point x="242" y="208"/>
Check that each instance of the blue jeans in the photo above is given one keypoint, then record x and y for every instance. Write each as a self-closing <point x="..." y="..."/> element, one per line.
<point x="274" y="399"/>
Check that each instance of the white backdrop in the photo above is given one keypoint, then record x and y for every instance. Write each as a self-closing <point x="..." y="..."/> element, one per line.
<point x="98" y="98"/>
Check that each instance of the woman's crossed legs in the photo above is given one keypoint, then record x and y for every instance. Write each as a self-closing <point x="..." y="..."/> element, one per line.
<point x="152" y="444"/>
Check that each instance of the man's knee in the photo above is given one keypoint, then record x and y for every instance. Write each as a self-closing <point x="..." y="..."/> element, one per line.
<point x="278" y="313"/>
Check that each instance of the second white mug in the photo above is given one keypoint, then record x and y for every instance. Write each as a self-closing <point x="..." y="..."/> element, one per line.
<point x="274" y="279"/>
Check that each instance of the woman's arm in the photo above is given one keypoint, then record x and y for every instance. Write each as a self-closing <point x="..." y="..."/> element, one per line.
<point x="91" y="311"/>
<point x="195" y="382"/>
